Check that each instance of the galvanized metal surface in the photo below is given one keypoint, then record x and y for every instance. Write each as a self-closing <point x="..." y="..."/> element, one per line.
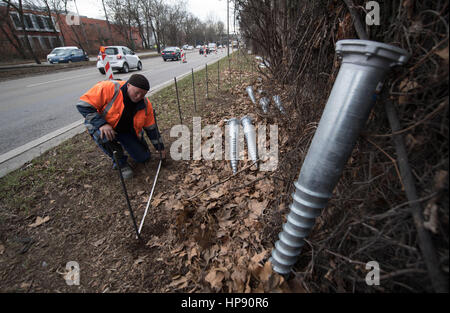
<point x="233" y="135"/>
<point x="250" y="137"/>
<point x="364" y="65"/>
<point x="249" y="90"/>
<point x="278" y="104"/>
<point x="264" y="102"/>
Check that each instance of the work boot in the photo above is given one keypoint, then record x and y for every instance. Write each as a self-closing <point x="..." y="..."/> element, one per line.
<point x="127" y="172"/>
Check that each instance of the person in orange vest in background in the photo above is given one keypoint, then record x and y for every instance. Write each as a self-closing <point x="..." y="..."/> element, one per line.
<point x="116" y="115"/>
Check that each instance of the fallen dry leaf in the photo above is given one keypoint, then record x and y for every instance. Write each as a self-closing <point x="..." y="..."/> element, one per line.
<point x="99" y="242"/>
<point x="39" y="221"/>
<point x="179" y="281"/>
<point x="215" y="277"/>
<point x="172" y="177"/>
<point x="432" y="223"/>
<point x="239" y="277"/>
<point x="258" y="257"/>
<point x="140" y="260"/>
<point x="443" y="54"/>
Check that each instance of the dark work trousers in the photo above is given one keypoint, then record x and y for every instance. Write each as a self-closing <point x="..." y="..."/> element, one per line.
<point x="136" y="148"/>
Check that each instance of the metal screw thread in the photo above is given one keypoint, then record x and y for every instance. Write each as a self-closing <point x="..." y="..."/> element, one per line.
<point x="250" y="94"/>
<point x="305" y="208"/>
<point x="233" y="131"/>
<point x="264" y="102"/>
<point x="250" y="137"/>
<point x="277" y="101"/>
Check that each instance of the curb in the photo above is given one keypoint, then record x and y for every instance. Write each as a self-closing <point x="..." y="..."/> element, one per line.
<point x="14" y="159"/>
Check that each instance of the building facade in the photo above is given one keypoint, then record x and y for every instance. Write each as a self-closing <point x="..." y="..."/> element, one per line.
<point x="45" y="33"/>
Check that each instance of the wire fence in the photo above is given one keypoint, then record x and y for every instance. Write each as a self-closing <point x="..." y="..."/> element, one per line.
<point x="193" y="94"/>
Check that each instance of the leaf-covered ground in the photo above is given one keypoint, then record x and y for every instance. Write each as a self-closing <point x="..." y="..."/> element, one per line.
<point x="68" y="205"/>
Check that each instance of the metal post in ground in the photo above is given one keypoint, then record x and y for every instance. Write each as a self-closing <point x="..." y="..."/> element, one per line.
<point x="206" y="66"/>
<point x="178" y="100"/>
<point x="218" y="78"/>
<point x="193" y="89"/>
<point x="229" y="71"/>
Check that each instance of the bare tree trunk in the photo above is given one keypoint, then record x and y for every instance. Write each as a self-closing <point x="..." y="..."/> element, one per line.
<point x="107" y="22"/>
<point x="15" y="41"/>
<point x="73" y="29"/>
<point x="49" y="13"/>
<point x="27" y="41"/>
<point x="18" y="48"/>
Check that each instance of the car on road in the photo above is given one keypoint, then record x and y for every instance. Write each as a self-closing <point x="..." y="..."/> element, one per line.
<point x="67" y="56"/>
<point x="57" y="49"/>
<point x="120" y="58"/>
<point x="173" y="53"/>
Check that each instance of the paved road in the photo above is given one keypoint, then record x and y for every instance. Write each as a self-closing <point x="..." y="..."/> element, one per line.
<point x="35" y="106"/>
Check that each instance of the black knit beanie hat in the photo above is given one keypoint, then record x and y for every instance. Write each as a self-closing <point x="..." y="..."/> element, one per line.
<point x="138" y="80"/>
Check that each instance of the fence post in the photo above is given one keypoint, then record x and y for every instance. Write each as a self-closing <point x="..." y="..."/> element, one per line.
<point x="218" y="77"/>
<point x="206" y="66"/>
<point x="193" y="89"/>
<point x="229" y="72"/>
<point x="178" y="100"/>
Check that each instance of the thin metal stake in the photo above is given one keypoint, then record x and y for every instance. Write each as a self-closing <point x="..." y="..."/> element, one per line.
<point x="229" y="72"/>
<point x="193" y="88"/>
<point x="178" y="100"/>
<point x="150" y="198"/>
<point x="206" y="66"/>
<point x="154" y="181"/>
<point x="126" y="196"/>
<point x="218" y="78"/>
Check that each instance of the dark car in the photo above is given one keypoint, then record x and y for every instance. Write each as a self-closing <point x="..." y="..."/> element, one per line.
<point x="173" y="53"/>
<point x="68" y="55"/>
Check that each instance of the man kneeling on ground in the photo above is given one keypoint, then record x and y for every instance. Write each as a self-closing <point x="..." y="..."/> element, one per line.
<point x="116" y="114"/>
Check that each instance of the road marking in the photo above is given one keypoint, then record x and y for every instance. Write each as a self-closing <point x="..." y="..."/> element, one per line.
<point x="57" y="80"/>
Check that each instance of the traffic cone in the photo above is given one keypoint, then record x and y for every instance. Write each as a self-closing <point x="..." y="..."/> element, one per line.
<point x="108" y="69"/>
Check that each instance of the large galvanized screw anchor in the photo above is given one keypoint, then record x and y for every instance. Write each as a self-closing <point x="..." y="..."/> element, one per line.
<point x="233" y="135"/>
<point x="251" y="94"/>
<point x="364" y="66"/>
<point x="250" y="137"/>
<point x="264" y="102"/>
<point x="278" y="104"/>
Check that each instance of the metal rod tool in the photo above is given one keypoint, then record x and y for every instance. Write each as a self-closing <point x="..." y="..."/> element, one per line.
<point x="126" y="196"/>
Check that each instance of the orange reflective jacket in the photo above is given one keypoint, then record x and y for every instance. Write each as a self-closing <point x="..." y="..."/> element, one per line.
<point x="106" y="97"/>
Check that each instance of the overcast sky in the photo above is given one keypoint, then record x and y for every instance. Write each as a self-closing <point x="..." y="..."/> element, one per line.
<point x="217" y="9"/>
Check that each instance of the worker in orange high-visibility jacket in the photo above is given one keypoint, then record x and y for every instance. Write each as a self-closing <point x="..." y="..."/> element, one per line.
<point x="116" y="115"/>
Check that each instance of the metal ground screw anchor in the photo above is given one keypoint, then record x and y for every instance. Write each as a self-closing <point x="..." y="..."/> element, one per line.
<point x="364" y="65"/>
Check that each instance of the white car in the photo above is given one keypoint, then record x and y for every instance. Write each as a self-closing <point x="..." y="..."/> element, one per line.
<point x="120" y="58"/>
<point x="57" y="49"/>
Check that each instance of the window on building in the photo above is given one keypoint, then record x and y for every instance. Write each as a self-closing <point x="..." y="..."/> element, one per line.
<point x="53" y="42"/>
<point x="35" y="43"/>
<point x="44" y="22"/>
<point x="34" y="21"/>
<point x="28" y="22"/>
<point x="49" y="22"/>
<point x="16" y="20"/>
<point x="46" y="44"/>
<point x="40" y="22"/>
